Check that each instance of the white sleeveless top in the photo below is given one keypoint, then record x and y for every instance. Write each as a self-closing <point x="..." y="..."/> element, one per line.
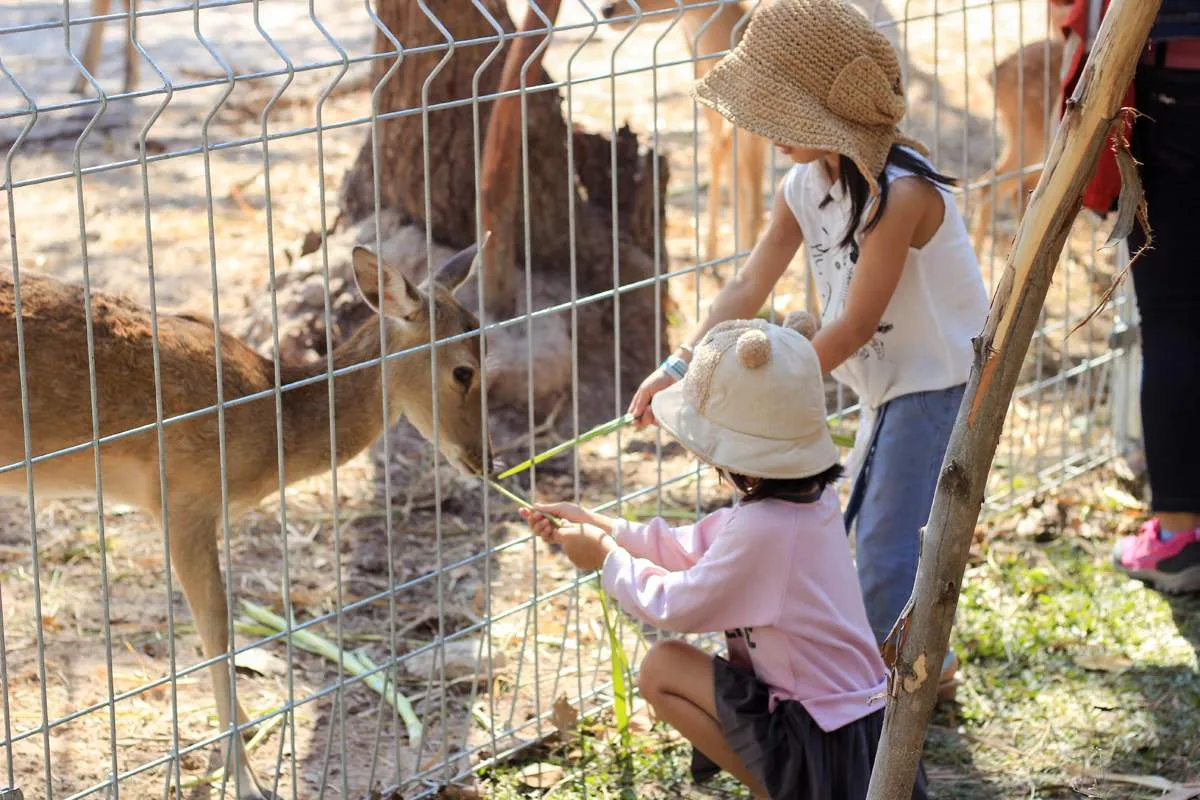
<point x="924" y="338"/>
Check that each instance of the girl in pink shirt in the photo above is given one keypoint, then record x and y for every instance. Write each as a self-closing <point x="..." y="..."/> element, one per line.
<point x="796" y="708"/>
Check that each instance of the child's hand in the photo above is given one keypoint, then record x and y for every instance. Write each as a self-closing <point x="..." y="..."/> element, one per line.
<point x="567" y="512"/>
<point x="541" y="525"/>
<point x="639" y="406"/>
<point x="585" y="545"/>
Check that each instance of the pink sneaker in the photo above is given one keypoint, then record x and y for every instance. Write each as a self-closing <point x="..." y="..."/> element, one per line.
<point x="1170" y="566"/>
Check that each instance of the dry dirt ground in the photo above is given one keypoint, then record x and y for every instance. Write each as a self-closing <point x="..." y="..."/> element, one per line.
<point x="517" y="604"/>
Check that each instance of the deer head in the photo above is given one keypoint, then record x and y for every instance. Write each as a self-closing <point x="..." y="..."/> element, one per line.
<point x="455" y="369"/>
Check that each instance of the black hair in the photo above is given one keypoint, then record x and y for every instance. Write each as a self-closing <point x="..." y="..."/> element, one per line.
<point x="855" y="186"/>
<point x="794" y="490"/>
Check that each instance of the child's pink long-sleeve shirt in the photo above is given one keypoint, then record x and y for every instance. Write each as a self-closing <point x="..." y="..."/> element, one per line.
<point x="777" y="577"/>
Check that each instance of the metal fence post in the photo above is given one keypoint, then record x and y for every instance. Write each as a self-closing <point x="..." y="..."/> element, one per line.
<point x="1126" y="344"/>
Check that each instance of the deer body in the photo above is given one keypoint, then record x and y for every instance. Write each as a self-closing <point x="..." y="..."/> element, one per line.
<point x="56" y="361"/>
<point x="1019" y="83"/>
<point x="709" y="31"/>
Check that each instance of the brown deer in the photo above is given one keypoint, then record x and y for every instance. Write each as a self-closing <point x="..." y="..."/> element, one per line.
<point x="1019" y="83"/>
<point x="711" y="30"/>
<point x="56" y="375"/>
<point x="91" y="51"/>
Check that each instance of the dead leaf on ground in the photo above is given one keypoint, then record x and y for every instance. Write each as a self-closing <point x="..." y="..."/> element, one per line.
<point x="641" y="721"/>
<point x="541" y="775"/>
<point x="564" y="715"/>
<point x="1103" y="662"/>
<point x="1123" y="499"/>
<point x="260" y="661"/>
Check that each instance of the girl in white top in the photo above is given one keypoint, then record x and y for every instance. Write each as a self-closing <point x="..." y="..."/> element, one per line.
<point x="900" y="288"/>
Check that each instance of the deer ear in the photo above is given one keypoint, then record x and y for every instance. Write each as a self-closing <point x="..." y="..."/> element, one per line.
<point x="458" y="268"/>
<point x="395" y="297"/>
<point x="461" y="266"/>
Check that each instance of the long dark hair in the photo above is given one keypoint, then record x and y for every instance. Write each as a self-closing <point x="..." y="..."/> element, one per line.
<point x="855" y="186"/>
<point x="795" y="490"/>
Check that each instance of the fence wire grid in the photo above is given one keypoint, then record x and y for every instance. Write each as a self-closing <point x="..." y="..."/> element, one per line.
<point x="230" y="173"/>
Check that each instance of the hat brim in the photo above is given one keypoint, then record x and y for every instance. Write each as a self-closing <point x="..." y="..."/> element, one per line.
<point x="781" y="113"/>
<point x="741" y="453"/>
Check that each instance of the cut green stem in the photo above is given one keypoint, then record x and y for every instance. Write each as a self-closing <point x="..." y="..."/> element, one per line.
<point x="841" y="440"/>
<point x="521" y="501"/>
<point x="558" y="449"/>
<point x="307" y="640"/>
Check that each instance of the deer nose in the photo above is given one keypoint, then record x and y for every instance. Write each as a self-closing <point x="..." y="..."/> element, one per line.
<point x="608" y="10"/>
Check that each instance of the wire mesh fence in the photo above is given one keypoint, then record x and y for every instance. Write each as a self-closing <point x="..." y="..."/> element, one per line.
<point x="263" y="168"/>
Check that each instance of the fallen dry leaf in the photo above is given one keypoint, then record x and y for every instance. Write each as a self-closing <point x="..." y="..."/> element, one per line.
<point x="1103" y="663"/>
<point x="260" y="661"/>
<point x="564" y="715"/>
<point x="640" y="721"/>
<point x="541" y="775"/>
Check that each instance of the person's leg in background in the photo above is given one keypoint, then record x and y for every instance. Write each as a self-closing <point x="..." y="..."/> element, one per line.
<point x="1166" y="553"/>
<point x="891" y="502"/>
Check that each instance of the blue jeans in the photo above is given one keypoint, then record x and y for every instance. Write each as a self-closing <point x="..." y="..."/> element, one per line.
<point x="892" y="495"/>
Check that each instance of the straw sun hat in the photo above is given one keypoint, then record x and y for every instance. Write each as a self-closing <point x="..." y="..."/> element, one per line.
<point x="813" y="74"/>
<point x="753" y="401"/>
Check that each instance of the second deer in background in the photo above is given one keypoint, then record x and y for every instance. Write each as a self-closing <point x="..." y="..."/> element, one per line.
<point x="711" y="28"/>
<point x="1026" y="117"/>
<point x="95" y="40"/>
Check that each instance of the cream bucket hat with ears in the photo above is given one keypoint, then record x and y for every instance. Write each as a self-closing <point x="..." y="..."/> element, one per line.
<point x="813" y="74"/>
<point x="753" y="401"/>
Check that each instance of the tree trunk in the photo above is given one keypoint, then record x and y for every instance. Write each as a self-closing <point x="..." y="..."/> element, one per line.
<point x="453" y="154"/>
<point x="917" y="644"/>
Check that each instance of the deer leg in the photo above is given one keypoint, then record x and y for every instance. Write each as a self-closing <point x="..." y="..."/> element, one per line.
<point x="194" y="559"/>
<point x="982" y="216"/>
<point x="718" y="150"/>
<point x="91" y="50"/>
<point x="131" y="58"/>
<point x="751" y="162"/>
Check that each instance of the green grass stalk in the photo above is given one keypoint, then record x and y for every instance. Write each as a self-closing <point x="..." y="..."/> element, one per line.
<point x="600" y="430"/>
<point x="841" y="440"/>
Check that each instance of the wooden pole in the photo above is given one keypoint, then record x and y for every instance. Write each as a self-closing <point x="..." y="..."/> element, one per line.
<point x="921" y="634"/>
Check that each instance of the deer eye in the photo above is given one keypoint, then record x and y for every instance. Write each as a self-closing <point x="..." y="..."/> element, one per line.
<point x="463" y="376"/>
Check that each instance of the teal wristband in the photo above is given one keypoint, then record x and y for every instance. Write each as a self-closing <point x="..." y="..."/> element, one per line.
<point x="675" y="366"/>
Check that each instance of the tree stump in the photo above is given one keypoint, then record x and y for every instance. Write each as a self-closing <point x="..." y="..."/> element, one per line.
<point x="451" y="212"/>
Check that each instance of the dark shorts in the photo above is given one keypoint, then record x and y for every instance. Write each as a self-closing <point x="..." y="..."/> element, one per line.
<point x="786" y="749"/>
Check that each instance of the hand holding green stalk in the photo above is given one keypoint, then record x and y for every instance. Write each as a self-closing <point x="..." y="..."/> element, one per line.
<point x="622" y="673"/>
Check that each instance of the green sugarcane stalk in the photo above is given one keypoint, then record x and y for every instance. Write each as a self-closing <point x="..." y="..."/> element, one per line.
<point x="600" y="430"/>
<point x="307" y="640"/>
<point x="521" y="501"/>
<point x="393" y="695"/>
<point x="841" y="440"/>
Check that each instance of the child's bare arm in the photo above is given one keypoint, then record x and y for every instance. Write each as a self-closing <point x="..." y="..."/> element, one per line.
<point x="884" y="251"/>
<point x="745" y="294"/>
<point x="741" y="298"/>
